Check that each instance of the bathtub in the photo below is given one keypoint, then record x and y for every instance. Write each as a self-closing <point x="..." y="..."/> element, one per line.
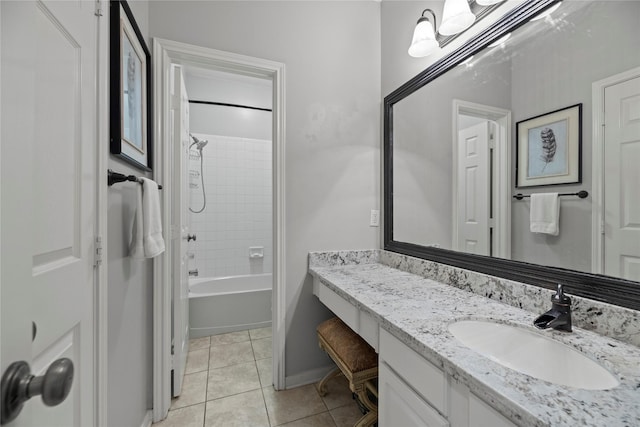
<point x="229" y="304"/>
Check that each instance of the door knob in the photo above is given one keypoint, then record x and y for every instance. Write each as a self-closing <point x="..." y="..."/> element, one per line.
<point x="18" y="386"/>
<point x="191" y="237"/>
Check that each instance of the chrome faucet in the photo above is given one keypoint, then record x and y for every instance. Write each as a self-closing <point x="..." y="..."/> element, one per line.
<point x="193" y="272"/>
<point x="559" y="317"/>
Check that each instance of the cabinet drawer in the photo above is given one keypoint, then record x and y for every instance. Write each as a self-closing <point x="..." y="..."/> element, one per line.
<point x="341" y="307"/>
<point x="424" y="377"/>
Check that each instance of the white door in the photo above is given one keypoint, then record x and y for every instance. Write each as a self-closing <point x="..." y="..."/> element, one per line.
<point x="179" y="223"/>
<point x="474" y="171"/>
<point x="622" y="180"/>
<point x="48" y="198"/>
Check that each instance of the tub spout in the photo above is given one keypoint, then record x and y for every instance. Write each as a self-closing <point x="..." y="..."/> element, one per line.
<point x="559" y="317"/>
<point x="193" y="272"/>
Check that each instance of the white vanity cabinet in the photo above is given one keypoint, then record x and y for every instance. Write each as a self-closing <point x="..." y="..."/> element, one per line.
<point x="414" y="392"/>
<point x="411" y="390"/>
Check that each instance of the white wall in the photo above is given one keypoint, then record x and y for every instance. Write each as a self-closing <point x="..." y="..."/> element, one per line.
<point x="332" y="56"/>
<point x="555" y="70"/>
<point x="229" y="89"/>
<point x="130" y="297"/>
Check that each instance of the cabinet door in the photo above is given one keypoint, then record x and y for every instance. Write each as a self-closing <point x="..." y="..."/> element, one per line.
<point x="399" y="405"/>
<point x="481" y="414"/>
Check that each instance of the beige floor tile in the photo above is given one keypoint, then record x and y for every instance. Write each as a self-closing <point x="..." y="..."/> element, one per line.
<point x="230" y="338"/>
<point x="256" y="334"/>
<point x="230" y="354"/>
<point x="241" y="410"/>
<point x="194" y="390"/>
<point x="197" y="360"/>
<point x="191" y="416"/>
<point x="321" y="420"/>
<point x="262" y="348"/>
<point x="346" y="416"/>
<point x="232" y="379"/>
<point x="265" y="371"/>
<point x="338" y="393"/>
<point x="199" y="343"/>
<point x="290" y="405"/>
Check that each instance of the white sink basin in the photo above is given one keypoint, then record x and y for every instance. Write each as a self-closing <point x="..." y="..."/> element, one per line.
<point x="533" y="354"/>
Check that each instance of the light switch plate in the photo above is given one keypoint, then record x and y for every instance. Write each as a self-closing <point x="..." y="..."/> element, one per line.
<point x="375" y="218"/>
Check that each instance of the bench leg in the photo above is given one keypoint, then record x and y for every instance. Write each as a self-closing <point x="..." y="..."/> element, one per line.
<point x="371" y="417"/>
<point x="322" y="385"/>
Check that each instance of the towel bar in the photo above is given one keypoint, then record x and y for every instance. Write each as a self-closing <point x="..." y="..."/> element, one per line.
<point x="581" y="194"/>
<point x="115" y="177"/>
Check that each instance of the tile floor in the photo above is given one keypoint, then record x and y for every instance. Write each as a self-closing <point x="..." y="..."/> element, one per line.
<point x="228" y="383"/>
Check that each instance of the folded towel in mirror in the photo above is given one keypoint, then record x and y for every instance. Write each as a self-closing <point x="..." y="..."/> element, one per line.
<point x="545" y="213"/>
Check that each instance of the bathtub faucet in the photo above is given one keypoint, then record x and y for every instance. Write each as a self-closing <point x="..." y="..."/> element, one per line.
<point x="193" y="272"/>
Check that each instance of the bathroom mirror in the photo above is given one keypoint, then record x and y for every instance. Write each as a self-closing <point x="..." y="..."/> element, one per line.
<point x="479" y="93"/>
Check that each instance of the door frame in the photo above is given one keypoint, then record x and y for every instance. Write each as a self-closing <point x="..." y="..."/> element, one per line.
<point x="597" y="165"/>
<point x="165" y="53"/>
<point x="101" y="306"/>
<point x="501" y="171"/>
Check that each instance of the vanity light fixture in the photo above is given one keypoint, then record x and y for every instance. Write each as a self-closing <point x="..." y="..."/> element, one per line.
<point x="424" y="41"/>
<point x="456" y="17"/>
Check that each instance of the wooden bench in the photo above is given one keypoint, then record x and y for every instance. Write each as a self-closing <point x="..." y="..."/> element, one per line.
<point x="356" y="360"/>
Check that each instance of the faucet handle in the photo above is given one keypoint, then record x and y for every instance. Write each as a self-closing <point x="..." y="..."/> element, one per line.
<point x="559" y="297"/>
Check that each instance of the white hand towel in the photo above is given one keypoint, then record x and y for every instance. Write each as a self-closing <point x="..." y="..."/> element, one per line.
<point x="545" y="213"/>
<point x="146" y="239"/>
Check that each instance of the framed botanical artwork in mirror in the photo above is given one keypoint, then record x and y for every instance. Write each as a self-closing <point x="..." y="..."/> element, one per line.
<point x="130" y="94"/>
<point x="549" y="148"/>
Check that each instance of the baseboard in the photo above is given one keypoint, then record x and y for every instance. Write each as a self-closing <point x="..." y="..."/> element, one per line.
<point x="307" y="377"/>
<point x="148" y="418"/>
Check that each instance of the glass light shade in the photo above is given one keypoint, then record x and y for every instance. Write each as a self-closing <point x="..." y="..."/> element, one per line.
<point x="487" y="2"/>
<point x="424" y="41"/>
<point x="456" y="17"/>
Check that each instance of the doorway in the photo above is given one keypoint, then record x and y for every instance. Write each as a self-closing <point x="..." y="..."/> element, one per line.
<point x="167" y="54"/>
<point x="481" y="179"/>
<point x="616" y="153"/>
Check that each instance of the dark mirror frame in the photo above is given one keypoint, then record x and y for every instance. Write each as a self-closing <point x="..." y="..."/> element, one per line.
<point x="621" y="292"/>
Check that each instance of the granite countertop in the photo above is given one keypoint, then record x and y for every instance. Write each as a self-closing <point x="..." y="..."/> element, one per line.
<point x="418" y="311"/>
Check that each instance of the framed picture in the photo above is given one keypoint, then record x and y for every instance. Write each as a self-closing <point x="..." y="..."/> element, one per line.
<point x="130" y="91"/>
<point x="549" y="148"/>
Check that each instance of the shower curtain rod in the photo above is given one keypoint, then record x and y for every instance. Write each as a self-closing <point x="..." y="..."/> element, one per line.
<point x="224" y="104"/>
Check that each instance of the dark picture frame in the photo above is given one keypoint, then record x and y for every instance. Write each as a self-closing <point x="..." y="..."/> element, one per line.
<point x="549" y="148"/>
<point x="130" y="91"/>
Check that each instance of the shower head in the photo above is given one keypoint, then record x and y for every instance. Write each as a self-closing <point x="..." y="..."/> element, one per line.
<point x="199" y="143"/>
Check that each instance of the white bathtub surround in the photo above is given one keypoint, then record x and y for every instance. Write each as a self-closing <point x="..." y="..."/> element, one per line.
<point x="229" y="304"/>
<point x="418" y="311"/>
<point x="237" y="178"/>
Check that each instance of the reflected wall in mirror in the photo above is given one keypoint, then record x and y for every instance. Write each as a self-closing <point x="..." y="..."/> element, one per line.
<point x="453" y="144"/>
